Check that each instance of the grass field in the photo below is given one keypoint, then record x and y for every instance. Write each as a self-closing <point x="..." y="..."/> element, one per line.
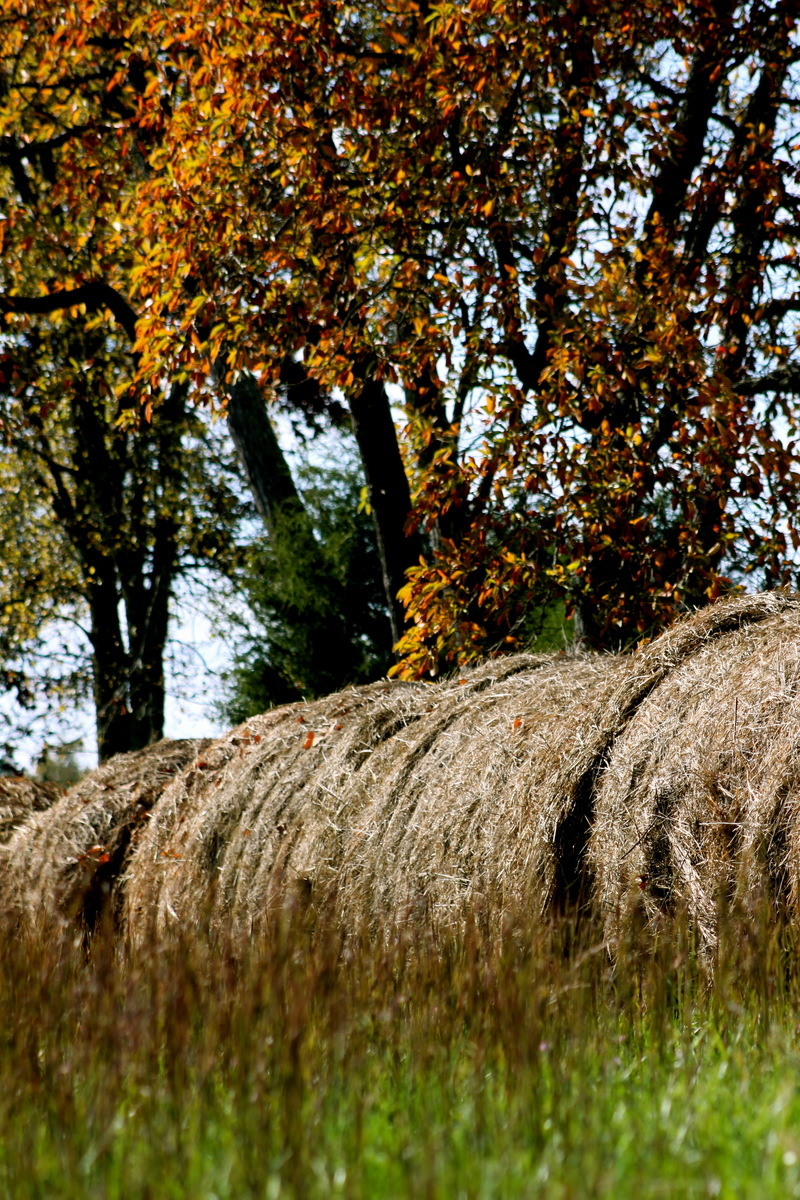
<point x="324" y="1069"/>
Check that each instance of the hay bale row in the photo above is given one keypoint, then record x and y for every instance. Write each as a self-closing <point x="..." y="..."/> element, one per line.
<point x="63" y="865"/>
<point x="651" y="781"/>
<point x="393" y="802"/>
<point x="666" y="778"/>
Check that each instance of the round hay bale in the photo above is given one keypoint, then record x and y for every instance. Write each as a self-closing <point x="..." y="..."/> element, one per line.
<point x="244" y="804"/>
<point x="696" y="785"/>
<point x="385" y="804"/>
<point x="62" y="866"/>
<point x="573" y="786"/>
<point x="457" y="828"/>
<point x="20" y="795"/>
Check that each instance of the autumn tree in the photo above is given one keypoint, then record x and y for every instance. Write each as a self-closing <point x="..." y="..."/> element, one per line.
<point x="109" y="496"/>
<point x="566" y="231"/>
<point x="101" y="511"/>
<point x="99" y="522"/>
<point x="545" y="254"/>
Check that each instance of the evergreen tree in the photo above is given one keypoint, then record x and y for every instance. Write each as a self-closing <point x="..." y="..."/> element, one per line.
<point x="317" y="618"/>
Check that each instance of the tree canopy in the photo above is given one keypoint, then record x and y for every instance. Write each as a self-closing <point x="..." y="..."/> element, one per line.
<point x="544" y="253"/>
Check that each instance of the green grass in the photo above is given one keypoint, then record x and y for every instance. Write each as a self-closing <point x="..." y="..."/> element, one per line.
<point x="317" y="1070"/>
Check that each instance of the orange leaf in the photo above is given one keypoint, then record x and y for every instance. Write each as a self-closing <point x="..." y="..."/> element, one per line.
<point x="309" y="742"/>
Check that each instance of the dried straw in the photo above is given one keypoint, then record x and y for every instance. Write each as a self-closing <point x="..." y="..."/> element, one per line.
<point x="658" y="780"/>
<point x="62" y="865"/>
<point x="19" y="797"/>
<point x="392" y="803"/>
<point x="697" y="802"/>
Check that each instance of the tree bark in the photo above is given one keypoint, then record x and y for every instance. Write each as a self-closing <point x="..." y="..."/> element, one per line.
<point x="318" y="604"/>
<point x="268" y="473"/>
<point x="112" y="712"/>
<point x="127" y="539"/>
<point x="277" y="498"/>
<point x="147" y="613"/>
<point x="388" y="490"/>
<point x="148" y="592"/>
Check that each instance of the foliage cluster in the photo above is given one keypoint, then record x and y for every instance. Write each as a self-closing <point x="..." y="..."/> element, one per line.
<point x="567" y="231"/>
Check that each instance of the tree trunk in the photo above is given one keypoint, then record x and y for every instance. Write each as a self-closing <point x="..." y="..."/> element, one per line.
<point x="147" y="630"/>
<point x="388" y="490"/>
<point x="277" y="498"/>
<point x="148" y="596"/>
<point x="129" y="554"/>
<point x="111" y="665"/>
<point x="318" y="606"/>
<point x="267" y="471"/>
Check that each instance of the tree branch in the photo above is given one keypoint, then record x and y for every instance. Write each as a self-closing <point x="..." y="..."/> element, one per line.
<point x="782" y="379"/>
<point x="671" y="182"/>
<point x="95" y="296"/>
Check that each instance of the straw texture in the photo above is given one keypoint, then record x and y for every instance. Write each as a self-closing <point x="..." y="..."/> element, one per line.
<point x="19" y="797"/>
<point x="698" y="802"/>
<point x="389" y="803"/>
<point x="61" y="867"/>
<point x="641" y="784"/>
